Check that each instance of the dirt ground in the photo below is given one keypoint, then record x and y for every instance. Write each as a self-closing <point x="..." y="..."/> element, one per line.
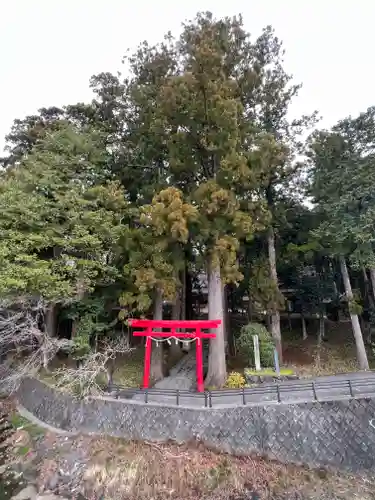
<point x="92" y="468"/>
<point x="336" y="354"/>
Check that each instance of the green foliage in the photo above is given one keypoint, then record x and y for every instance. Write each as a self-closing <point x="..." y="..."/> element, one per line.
<point x="19" y="422"/>
<point x="266" y="345"/>
<point x="26" y="132"/>
<point x="196" y="93"/>
<point x="314" y="288"/>
<point x="193" y="154"/>
<point x="60" y="219"/>
<point x="355" y="307"/>
<point x="157" y="252"/>
<point x="342" y="183"/>
<point x="264" y="293"/>
<point x="235" y="381"/>
<point x="268" y="372"/>
<point x="84" y="329"/>
<point x="169" y="216"/>
<point x="91" y="321"/>
<point x="372" y="316"/>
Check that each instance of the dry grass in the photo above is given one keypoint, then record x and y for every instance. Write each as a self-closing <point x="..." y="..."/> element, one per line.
<point x="336" y="355"/>
<point x="328" y="360"/>
<point x="120" y="470"/>
<point x="128" y="370"/>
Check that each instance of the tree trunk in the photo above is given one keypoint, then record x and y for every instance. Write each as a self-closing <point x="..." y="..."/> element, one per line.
<point x="186" y="308"/>
<point x="370" y="295"/>
<point x="80" y="296"/>
<point x="217" y="370"/>
<point x="250" y="310"/>
<point x="361" y="351"/>
<point x="304" y="329"/>
<point x="189" y="309"/>
<point x="176" y="307"/>
<point x="372" y="276"/>
<point x="365" y="282"/>
<point x="365" y="329"/>
<point x="320" y="337"/>
<point x="183" y="295"/>
<point x="45" y="358"/>
<point x="276" y="333"/>
<point x="175" y="347"/>
<point x="275" y="315"/>
<point x="321" y="332"/>
<point x="268" y="320"/>
<point x="232" y="310"/>
<point x="156" y="372"/>
<point x="110" y="370"/>
<point x="226" y="315"/>
<point x="50" y="320"/>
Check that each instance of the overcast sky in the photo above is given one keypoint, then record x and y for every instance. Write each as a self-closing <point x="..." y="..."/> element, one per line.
<point x="50" y="48"/>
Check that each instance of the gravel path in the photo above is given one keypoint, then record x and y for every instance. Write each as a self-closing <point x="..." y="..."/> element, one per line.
<point x="182" y="376"/>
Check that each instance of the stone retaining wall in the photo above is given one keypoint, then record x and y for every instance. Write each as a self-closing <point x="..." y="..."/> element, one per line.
<point x="331" y="433"/>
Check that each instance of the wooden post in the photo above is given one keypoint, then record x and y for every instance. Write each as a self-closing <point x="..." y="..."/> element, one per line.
<point x="146" y="372"/>
<point x="256" y="352"/>
<point x="199" y="361"/>
<point x="277" y="364"/>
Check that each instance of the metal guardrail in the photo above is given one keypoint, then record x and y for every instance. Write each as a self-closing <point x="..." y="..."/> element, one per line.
<point x="308" y="391"/>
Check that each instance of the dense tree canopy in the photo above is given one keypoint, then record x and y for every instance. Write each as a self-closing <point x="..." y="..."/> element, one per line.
<point x="62" y="218"/>
<point x="190" y="167"/>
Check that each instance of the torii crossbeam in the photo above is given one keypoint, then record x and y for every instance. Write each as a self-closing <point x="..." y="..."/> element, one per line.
<point x="195" y="332"/>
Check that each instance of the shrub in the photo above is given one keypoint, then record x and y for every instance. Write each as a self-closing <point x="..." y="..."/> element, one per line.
<point x="266" y="344"/>
<point x="235" y="381"/>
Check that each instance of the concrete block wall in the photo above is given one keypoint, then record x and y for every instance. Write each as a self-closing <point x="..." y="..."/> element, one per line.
<point x="318" y="434"/>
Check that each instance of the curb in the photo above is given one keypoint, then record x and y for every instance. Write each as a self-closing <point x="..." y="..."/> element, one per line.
<point x="34" y="420"/>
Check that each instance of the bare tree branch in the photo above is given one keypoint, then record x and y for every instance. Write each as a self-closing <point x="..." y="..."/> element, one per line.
<point x="86" y="379"/>
<point x="26" y="348"/>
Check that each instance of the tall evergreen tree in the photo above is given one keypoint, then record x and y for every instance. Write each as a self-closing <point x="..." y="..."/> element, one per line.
<point x="200" y="117"/>
<point x="61" y="221"/>
<point x="342" y="185"/>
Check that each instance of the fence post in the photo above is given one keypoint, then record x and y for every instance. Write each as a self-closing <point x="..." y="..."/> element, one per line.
<point x="199" y="360"/>
<point x="351" y="389"/>
<point x="256" y="352"/>
<point x="147" y="365"/>
<point x="314" y="391"/>
<point x="277" y="364"/>
<point x="278" y="393"/>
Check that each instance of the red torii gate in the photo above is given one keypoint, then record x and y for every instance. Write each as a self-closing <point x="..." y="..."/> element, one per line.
<point x="196" y="334"/>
